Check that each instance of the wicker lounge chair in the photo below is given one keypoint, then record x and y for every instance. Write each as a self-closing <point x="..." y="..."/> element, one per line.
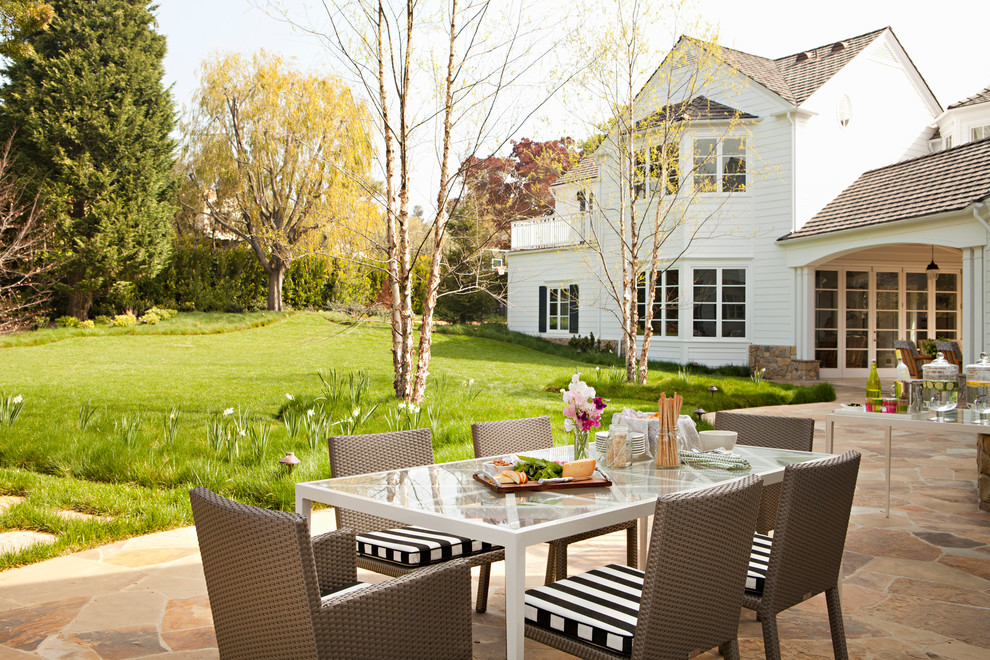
<point x="795" y="433"/>
<point x="912" y="357"/>
<point x="805" y="554"/>
<point x="522" y="435"/>
<point x="276" y="593"/>
<point x="691" y="591"/>
<point x="377" y="452"/>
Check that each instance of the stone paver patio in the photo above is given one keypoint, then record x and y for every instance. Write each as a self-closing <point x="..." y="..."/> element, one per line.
<point x="917" y="584"/>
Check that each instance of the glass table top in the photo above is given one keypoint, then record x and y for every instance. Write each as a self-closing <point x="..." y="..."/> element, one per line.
<point x="450" y="490"/>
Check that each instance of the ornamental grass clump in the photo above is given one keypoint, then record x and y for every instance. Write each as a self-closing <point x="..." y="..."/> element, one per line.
<point x="170" y="424"/>
<point x="88" y="413"/>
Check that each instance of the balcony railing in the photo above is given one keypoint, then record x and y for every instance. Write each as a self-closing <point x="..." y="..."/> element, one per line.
<point x="551" y="232"/>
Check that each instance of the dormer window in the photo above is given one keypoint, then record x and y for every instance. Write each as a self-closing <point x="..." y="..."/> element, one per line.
<point x="980" y="133"/>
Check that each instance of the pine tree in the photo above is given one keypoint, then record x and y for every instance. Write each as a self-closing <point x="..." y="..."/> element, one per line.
<point x="92" y="120"/>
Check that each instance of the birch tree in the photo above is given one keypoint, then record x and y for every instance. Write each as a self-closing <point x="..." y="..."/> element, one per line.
<point x="267" y="152"/>
<point x="444" y="73"/>
<point x="648" y="201"/>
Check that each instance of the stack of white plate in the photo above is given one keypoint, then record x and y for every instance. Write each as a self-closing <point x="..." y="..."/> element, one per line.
<point x="638" y="443"/>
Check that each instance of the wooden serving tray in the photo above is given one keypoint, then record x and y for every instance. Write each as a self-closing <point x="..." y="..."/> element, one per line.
<point x="596" y="481"/>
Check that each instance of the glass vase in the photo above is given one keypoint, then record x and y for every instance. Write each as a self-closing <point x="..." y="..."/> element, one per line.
<point x="580" y="444"/>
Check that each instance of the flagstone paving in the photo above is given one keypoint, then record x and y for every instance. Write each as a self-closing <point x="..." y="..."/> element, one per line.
<point x="917" y="585"/>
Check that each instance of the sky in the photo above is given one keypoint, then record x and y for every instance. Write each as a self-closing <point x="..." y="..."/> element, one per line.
<point x="947" y="42"/>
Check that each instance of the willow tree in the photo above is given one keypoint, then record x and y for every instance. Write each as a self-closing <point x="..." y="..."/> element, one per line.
<point x="274" y="155"/>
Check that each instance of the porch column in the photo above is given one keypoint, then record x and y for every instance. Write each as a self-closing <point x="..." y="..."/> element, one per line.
<point x="975" y="333"/>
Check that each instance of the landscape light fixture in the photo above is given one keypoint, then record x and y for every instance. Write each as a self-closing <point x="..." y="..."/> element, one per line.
<point x="932" y="270"/>
<point x="699" y="411"/>
<point x="290" y="461"/>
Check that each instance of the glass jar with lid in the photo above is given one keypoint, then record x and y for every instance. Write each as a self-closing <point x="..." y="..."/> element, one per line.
<point x="978" y="387"/>
<point x="941" y="385"/>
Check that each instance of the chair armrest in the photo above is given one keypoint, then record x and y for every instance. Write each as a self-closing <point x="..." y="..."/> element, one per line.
<point x="335" y="553"/>
<point x="424" y="614"/>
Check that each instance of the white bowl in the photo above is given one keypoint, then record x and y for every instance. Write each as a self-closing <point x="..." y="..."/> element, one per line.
<point x="493" y="469"/>
<point x="717" y="439"/>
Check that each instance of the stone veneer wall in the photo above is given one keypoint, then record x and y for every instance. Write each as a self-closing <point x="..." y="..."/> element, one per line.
<point x="780" y="363"/>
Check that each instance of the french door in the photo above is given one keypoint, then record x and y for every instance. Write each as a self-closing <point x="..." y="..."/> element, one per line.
<point x="859" y="312"/>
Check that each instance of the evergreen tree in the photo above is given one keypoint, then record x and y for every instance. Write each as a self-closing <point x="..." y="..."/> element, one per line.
<point x="91" y="121"/>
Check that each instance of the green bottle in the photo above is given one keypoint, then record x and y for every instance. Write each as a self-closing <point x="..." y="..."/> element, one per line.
<point x="873" y="394"/>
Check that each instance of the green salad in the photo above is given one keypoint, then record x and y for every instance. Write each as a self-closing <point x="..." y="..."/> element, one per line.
<point x="537" y="468"/>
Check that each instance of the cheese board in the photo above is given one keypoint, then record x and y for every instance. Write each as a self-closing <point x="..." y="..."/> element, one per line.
<point x="597" y="480"/>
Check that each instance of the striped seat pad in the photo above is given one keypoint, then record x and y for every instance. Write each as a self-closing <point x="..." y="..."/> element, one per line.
<point x="416" y="546"/>
<point x="346" y="589"/>
<point x="759" y="559"/>
<point x="600" y="606"/>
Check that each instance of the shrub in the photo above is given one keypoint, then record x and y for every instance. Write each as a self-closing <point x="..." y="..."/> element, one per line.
<point x="163" y="313"/>
<point x="124" y="320"/>
<point x="87" y="324"/>
<point x="814" y="394"/>
<point x="67" y="321"/>
<point x="587" y="344"/>
<point x="150" y="318"/>
<point x="39" y="322"/>
<point x="187" y="306"/>
<point x="102" y="319"/>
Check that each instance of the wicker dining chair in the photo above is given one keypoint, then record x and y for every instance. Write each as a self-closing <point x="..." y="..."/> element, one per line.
<point x="513" y="436"/>
<point x="794" y="433"/>
<point x="378" y="452"/>
<point x="804" y="556"/>
<point x="276" y="593"/>
<point x="687" y="600"/>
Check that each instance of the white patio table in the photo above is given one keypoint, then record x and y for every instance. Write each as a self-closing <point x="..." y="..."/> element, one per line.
<point x="956" y="421"/>
<point x="446" y="497"/>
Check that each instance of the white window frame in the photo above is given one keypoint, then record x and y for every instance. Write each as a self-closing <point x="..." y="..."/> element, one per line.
<point x="661" y="307"/>
<point x="720" y="302"/>
<point x="982" y="131"/>
<point x="720" y="160"/>
<point x="647" y="171"/>
<point x="564" y="294"/>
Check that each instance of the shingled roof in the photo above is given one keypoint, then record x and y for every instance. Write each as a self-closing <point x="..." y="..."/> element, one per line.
<point x="700" y="108"/>
<point x="587" y="168"/>
<point x="796" y="77"/>
<point x="975" y="99"/>
<point x="937" y="183"/>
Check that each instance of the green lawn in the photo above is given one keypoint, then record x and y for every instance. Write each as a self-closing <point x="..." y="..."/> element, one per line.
<point x="123" y="466"/>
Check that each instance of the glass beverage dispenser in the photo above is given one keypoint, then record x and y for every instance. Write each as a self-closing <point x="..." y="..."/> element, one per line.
<point x="978" y="387"/>
<point x="941" y="383"/>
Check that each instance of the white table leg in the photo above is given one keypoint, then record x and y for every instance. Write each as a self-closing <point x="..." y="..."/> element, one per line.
<point x="886" y="437"/>
<point x="515" y="588"/>
<point x="643" y="542"/>
<point x="304" y="508"/>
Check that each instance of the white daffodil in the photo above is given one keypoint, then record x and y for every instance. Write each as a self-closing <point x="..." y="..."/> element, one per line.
<point x="242" y="433"/>
<point x="471" y="381"/>
<point x="401" y="405"/>
<point x="228" y="411"/>
<point x="355" y="412"/>
<point x="413" y="408"/>
<point x="289" y="397"/>
<point x="310" y="412"/>
<point x="18" y="398"/>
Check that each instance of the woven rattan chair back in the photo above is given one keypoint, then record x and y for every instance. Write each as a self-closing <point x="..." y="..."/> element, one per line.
<point x="376" y="452"/>
<point x="260" y="576"/>
<point x="696" y="569"/>
<point x="795" y="433"/>
<point x="810" y="536"/>
<point x="511" y="435"/>
<point x="950" y="350"/>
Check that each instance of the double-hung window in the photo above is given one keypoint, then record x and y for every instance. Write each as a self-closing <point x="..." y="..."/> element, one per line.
<point x="719" y="296"/>
<point x="656" y="170"/>
<point x="980" y="132"/>
<point x="558" y="308"/>
<point x="666" y="299"/>
<point x="720" y="165"/>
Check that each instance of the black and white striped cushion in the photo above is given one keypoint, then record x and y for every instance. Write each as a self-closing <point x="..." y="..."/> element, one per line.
<point x="759" y="559"/>
<point x="416" y="546"/>
<point x="600" y="606"/>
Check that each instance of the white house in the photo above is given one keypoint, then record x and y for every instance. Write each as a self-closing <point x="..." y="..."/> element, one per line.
<point x="838" y="179"/>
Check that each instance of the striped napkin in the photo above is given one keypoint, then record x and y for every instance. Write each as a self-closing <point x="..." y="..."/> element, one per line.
<point x="718" y="458"/>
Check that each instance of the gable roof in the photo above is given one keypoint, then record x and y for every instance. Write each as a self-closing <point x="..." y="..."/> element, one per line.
<point x="980" y="97"/>
<point x="796" y="77"/>
<point x="700" y="108"/>
<point x="587" y="168"/>
<point x="936" y="183"/>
